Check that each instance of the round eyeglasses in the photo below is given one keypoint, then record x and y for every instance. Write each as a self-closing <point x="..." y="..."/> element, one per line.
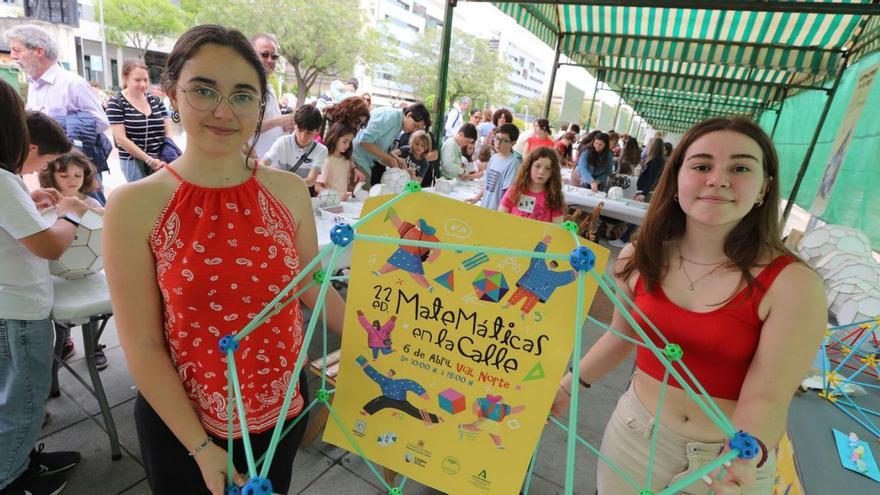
<point x="206" y="99"/>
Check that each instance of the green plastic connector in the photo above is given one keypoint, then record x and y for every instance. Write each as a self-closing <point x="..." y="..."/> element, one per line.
<point x="319" y="276"/>
<point x="395" y="490"/>
<point x="673" y="352"/>
<point x="322" y="395"/>
<point x="413" y="186"/>
<point x="570" y="226"/>
<point x="646" y="492"/>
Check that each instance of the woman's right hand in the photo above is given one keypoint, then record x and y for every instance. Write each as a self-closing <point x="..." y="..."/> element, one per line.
<point x="70" y="204"/>
<point x="212" y="461"/>
<point x="560" y="402"/>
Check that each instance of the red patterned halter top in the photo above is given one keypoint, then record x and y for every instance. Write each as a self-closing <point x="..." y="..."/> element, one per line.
<point x="221" y="255"/>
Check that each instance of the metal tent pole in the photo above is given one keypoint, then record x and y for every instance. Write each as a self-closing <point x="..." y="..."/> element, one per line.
<point x="553" y="77"/>
<point x="589" y="125"/>
<point x="809" y="155"/>
<point x="440" y="97"/>
<point x="778" y="113"/>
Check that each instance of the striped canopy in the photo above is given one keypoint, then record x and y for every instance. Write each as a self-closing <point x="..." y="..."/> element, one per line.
<point x="676" y="66"/>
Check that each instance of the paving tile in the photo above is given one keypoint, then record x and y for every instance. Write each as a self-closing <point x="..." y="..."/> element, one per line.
<point x="64" y="412"/>
<point x="310" y="464"/>
<point x="142" y="488"/>
<point x="340" y="481"/>
<point x="116" y="380"/>
<point x="96" y="473"/>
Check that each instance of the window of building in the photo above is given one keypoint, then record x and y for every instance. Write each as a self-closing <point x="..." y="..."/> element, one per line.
<point x="401" y="4"/>
<point x="114" y="72"/>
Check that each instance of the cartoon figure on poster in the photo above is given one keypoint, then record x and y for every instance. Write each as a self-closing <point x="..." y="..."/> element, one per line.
<point x="491" y="413"/>
<point x="394" y="394"/>
<point x="410" y="258"/>
<point x="378" y="336"/>
<point x="539" y="282"/>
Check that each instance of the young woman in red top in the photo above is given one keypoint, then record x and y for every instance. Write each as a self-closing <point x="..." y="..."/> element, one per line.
<point x="709" y="270"/>
<point x="541" y="137"/>
<point x="193" y="253"/>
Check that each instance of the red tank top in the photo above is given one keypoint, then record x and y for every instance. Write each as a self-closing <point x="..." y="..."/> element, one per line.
<point x="221" y="255"/>
<point x="718" y="345"/>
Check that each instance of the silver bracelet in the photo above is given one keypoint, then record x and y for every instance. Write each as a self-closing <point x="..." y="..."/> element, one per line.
<point x="196" y="450"/>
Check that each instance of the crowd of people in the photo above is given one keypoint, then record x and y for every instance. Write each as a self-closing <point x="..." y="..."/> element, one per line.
<point x="176" y="233"/>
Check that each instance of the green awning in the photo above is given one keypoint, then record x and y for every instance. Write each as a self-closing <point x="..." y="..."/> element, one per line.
<point x="655" y="54"/>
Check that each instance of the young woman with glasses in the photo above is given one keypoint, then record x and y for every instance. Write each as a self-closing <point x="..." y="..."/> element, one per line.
<point x="192" y="253"/>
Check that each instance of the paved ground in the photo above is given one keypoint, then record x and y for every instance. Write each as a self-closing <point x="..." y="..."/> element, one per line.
<point x="319" y="469"/>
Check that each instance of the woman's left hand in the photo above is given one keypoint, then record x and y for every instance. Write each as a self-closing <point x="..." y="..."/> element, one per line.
<point x="740" y="475"/>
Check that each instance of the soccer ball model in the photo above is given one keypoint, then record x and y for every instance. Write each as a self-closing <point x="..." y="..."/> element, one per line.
<point x="328" y="197"/>
<point x="444" y="186"/>
<point x="396" y="180"/>
<point x="831" y="261"/>
<point x="827" y="239"/>
<point x="860" y="307"/>
<point x="379" y="190"/>
<point x="83" y="257"/>
<point x="615" y="193"/>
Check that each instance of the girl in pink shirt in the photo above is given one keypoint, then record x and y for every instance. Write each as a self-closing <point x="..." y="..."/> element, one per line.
<point x="537" y="189"/>
<point x="338" y="166"/>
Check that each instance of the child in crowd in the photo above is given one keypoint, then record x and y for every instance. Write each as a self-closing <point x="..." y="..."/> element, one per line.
<point x="73" y="175"/>
<point x="338" y="166"/>
<point x="416" y="154"/>
<point x="27" y="241"/>
<point x="469" y="163"/>
<point x="299" y="152"/>
<point x="502" y="167"/>
<point x="450" y="153"/>
<point x="536" y="191"/>
<point x="540" y="137"/>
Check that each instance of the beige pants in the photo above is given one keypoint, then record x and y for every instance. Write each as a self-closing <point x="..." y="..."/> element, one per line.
<point x="627" y="441"/>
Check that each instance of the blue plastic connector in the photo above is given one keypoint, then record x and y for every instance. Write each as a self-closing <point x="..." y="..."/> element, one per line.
<point x="342" y="234"/>
<point x="232" y="490"/>
<point x="228" y="343"/>
<point x="582" y="259"/>
<point x="257" y="486"/>
<point x="745" y="444"/>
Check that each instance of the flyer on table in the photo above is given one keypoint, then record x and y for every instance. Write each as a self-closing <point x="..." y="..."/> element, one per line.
<point x="450" y="358"/>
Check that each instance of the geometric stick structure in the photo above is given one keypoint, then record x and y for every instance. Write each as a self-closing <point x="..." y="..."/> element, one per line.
<point x="850" y="357"/>
<point x="581" y="259"/>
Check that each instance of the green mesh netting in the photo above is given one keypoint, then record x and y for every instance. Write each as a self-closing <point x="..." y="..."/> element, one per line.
<point x="854" y="200"/>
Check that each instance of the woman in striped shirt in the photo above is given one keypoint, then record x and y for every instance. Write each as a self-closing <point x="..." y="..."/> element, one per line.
<point x="139" y="123"/>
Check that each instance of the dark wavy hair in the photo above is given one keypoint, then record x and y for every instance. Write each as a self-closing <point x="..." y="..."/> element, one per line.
<point x="757" y="234"/>
<point x="14" y="139"/>
<point x="73" y="157"/>
<point x="508" y="117"/>
<point x="555" y="198"/>
<point x="338" y="131"/>
<point x="189" y="43"/>
<point x="349" y="111"/>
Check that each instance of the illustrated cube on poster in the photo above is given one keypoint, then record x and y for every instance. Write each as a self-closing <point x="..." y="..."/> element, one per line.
<point x="83" y="257"/>
<point x="827" y="239"/>
<point x="452" y="401"/>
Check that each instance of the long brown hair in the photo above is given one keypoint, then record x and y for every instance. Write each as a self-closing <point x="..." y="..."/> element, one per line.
<point x="338" y="131"/>
<point x="14" y="140"/>
<point x="555" y="198"/>
<point x="757" y="234"/>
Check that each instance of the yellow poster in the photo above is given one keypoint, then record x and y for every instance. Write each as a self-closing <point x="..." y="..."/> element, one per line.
<point x="451" y="357"/>
<point x="786" y="481"/>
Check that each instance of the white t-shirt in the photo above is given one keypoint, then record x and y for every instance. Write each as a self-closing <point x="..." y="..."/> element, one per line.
<point x="269" y="136"/>
<point x="25" y="282"/>
<point x="497" y="179"/>
<point x="285" y="154"/>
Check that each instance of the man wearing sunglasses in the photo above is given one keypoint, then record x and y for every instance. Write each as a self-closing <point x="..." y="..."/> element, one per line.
<point x="274" y="124"/>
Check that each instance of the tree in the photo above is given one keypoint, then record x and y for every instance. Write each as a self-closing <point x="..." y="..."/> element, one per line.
<point x="141" y="22"/>
<point x="475" y="70"/>
<point x="318" y="39"/>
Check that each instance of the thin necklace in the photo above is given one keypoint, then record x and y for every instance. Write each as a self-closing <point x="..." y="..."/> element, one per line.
<point x="692" y="283"/>
<point x="678" y="248"/>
